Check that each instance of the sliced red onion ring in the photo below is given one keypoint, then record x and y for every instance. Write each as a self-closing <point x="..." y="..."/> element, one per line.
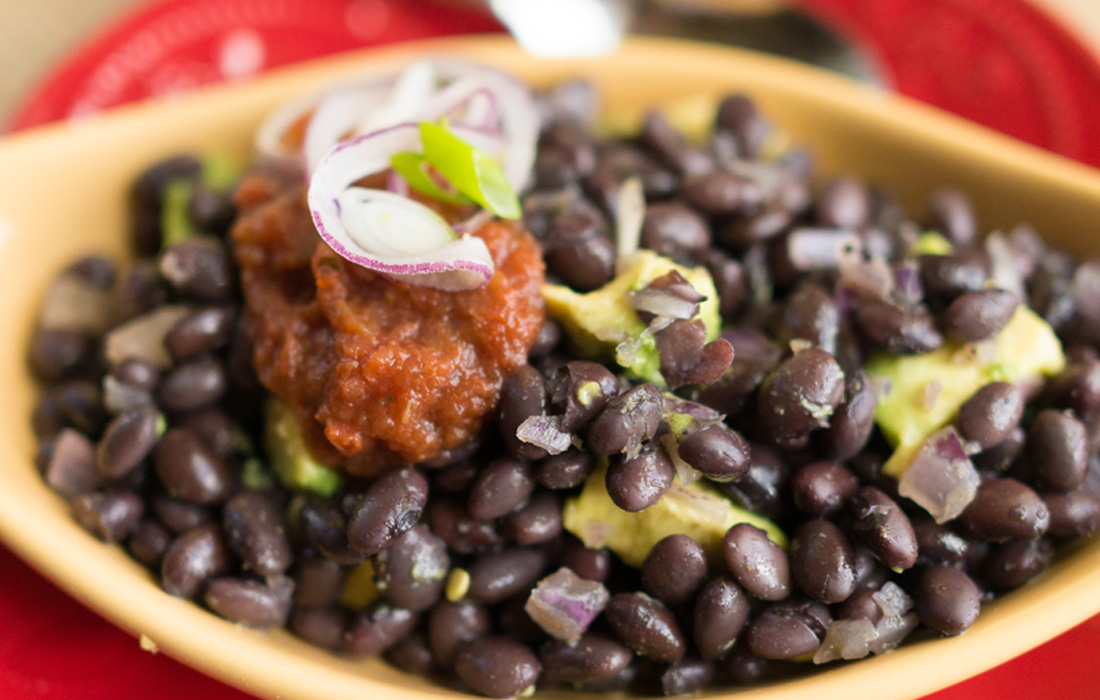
<point x="820" y="248"/>
<point x="941" y="478"/>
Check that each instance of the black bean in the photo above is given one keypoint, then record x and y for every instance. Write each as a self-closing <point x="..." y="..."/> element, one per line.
<point x="502" y="487"/>
<point x="136" y="373"/>
<point x="979" y="315"/>
<point x="109" y="515"/>
<point x="627" y="420"/>
<point x="757" y="563"/>
<point x="947" y="600"/>
<point x="549" y="335"/>
<point x="1057" y="451"/>
<point x="71" y="467"/>
<point x="204" y="331"/>
<point x="593" y="657"/>
<point x="537" y="522"/>
<point x="254" y="529"/>
<point x="1002" y="456"/>
<point x="193" y="385"/>
<point x="318" y="582"/>
<point x="149" y="187"/>
<point x="619" y="161"/>
<point x="742" y="232"/>
<point x="513" y="621"/>
<point x="57" y="354"/>
<point x="46" y="418"/>
<point x="323" y="627"/>
<point x="251" y="603"/>
<point x="564" y="471"/>
<point x="190" y="470"/>
<point x="990" y="414"/>
<point x="743" y="666"/>
<point x="211" y="210"/>
<point x="729" y="281"/>
<point x="763" y="488"/>
<point x="1004" y="509"/>
<point x="1073" y="514"/>
<point x="522" y="395"/>
<point x="945" y="277"/>
<point x="412" y="655"/>
<point x="687" y="358"/>
<point x="177" y="515"/>
<point x="675" y="231"/>
<point x="800" y="395"/>
<point x="1009" y="565"/>
<point x="950" y="212"/>
<point x="199" y="268"/>
<point x="756" y="355"/>
<point x="452" y="624"/>
<point x="844" y="203"/>
<point x="581" y="389"/>
<point x="494" y="577"/>
<point x="646" y="626"/>
<point x="687" y="676"/>
<point x="192" y="559"/>
<point x="636" y="483"/>
<point x="127" y="440"/>
<point x="671" y="147"/>
<point x="820" y="489"/>
<point x="738" y="115"/>
<point x="455" y="478"/>
<point x="785" y="630"/>
<point x="578" y="250"/>
<point x="324" y="527"/>
<point x="722" y="193"/>
<point x="411" y="573"/>
<point x="721" y="611"/>
<point x="142" y="289"/>
<point x="861" y="605"/>
<point x="719" y="453"/>
<point x="497" y="666"/>
<point x="938" y="543"/>
<point x="591" y="564"/>
<point x="378" y="628"/>
<point x="884" y="528"/>
<point x="823" y="561"/>
<point x="900" y="331"/>
<point x="674" y="570"/>
<point x="851" y="424"/>
<point x="392" y="505"/>
<point x="80" y="405"/>
<point x="462" y="532"/>
<point x="811" y="314"/>
<point x="148" y="542"/>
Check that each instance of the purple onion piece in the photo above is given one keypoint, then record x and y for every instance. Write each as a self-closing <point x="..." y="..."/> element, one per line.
<point x="819" y="248"/>
<point x="544" y="432"/>
<point x="941" y="478"/>
<point x="908" y="288"/>
<point x="1004" y="266"/>
<point x="847" y="640"/>
<point x="892" y="600"/>
<point x="564" y="604"/>
<point x="892" y="630"/>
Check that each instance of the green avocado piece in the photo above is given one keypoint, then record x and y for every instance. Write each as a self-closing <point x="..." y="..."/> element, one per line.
<point x="930" y="243"/>
<point x="218" y="172"/>
<point x="290" y="458"/>
<point x="599" y="320"/>
<point x="698" y="510"/>
<point x="923" y="393"/>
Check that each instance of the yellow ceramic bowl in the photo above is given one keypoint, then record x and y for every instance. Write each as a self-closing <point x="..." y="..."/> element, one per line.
<point x="62" y="194"/>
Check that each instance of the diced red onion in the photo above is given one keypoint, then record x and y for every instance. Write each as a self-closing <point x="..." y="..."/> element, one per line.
<point x="892" y="600"/>
<point x="872" y="278"/>
<point x="629" y="216"/>
<point x="941" y="478"/>
<point x="907" y="283"/>
<point x="688" y="474"/>
<point x="73" y="304"/>
<point x="119" y="397"/>
<point x="1004" y="266"/>
<point x="544" y="432"/>
<point x="142" y="338"/>
<point x="662" y="302"/>
<point x="564" y="604"/>
<point x="846" y="639"/>
<point x="891" y="631"/>
<point x="819" y="248"/>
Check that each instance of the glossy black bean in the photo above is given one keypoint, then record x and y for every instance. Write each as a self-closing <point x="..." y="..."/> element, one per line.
<point x="251" y="603"/>
<point x="46" y="417"/>
<point x="757" y="562"/>
<point x="743" y="666"/>
<point x="127" y="440"/>
<point x="193" y="559"/>
<point x="1073" y="514"/>
<point x="670" y="146"/>
<point x="722" y="193"/>
<point x="502" y="487"/>
<point x="721" y="611"/>
<point x="136" y="373"/>
<point x="204" y="331"/>
<point x="149" y="186"/>
<point x="1077" y="387"/>
<point x="951" y="213"/>
<point x="811" y="314"/>
<point x="80" y="405"/>
<point x="190" y="470"/>
<point x="109" y="515"/>
<point x="674" y="570"/>
<point x="322" y="627"/>
<point x="178" y="515"/>
<point x="1004" y="509"/>
<point x="987" y="417"/>
<point x="1057" y="451"/>
<point x="784" y="631"/>
<point x="945" y="277"/>
<point x="636" y="483"/>
<point x="581" y="389"/>
<point x="377" y="628"/>
<point x="821" y="488"/>
<point x="763" y="488"/>
<point x="452" y="624"/>
<point x="1009" y="565"/>
<point x="57" y="354"/>
<point x="979" y="315"/>
<point x="254" y="529"/>
<point x="497" y="666"/>
<point x="494" y="577"/>
<point x="900" y="331"/>
<point x="646" y="626"/>
<point x="411" y="654"/>
<point x="851" y="424"/>
<point x="675" y="231"/>
<point x="148" y="542"/>
<point x="621" y="160"/>
<point x="822" y="561"/>
<point x="730" y="282"/>
<point x="392" y="505"/>
<point x="1001" y="457"/>
<point x="591" y="564"/>
<point x="193" y="385"/>
<point x="578" y="250"/>
<point x="594" y="657"/>
<point x="564" y="471"/>
<point x="537" y="522"/>
<point x="199" y="268"/>
<point x="937" y="543"/>
<point x="211" y="210"/>
<point x="948" y="600"/>
<point x="884" y="528"/>
<point x="70" y="469"/>
<point x="738" y="115"/>
<point x="687" y="358"/>
<point x="800" y="395"/>
<point x="719" y="453"/>
<point x="411" y="573"/>
<point x="861" y="605"/>
<point x="325" y="528"/>
<point x="627" y="420"/>
<point x="522" y="395"/>
<point x="462" y="532"/>
<point x="142" y="289"/>
<point x="844" y="203"/>
<point x="318" y="582"/>
<point x="686" y="676"/>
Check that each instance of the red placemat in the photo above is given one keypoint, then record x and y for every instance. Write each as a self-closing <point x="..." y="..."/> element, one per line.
<point x="971" y="57"/>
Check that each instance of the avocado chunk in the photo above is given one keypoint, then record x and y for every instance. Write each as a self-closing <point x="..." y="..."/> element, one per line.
<point x="218" y="172"/>
<point x="921" y="394"/>
<point x="930" y="243"/>
<point x="290" y="458"/>
<point x="699" y="511"/>
<point x="599" y="320"/>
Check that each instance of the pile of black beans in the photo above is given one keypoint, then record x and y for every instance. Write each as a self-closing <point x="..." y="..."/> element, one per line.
<point x="432" y="566"/>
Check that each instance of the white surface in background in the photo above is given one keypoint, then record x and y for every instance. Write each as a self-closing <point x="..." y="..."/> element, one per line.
<point x="560" y="28"/>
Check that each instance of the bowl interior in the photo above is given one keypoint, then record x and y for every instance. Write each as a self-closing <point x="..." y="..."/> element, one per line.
<point x="64" y="195"/>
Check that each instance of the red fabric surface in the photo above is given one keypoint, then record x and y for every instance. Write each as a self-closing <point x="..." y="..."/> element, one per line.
<point x="971" y="57"/>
